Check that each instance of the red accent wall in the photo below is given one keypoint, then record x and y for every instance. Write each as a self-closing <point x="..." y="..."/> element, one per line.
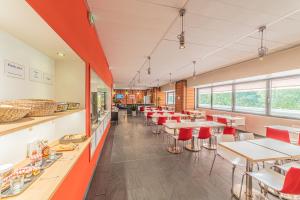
<point x="69" y="19"/>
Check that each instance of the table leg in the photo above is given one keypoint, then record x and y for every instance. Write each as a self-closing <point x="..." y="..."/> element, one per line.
<point x="193" y="146"/>
<point x="210" y="145"/>
<point x="174" y="149"/>
<point x="249" y="167"/>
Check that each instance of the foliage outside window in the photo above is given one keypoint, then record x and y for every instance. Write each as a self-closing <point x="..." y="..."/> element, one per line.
<point x="222" y="97"/>
<point x="204" y="97"/>
<point x="251" y="97"/>
<point x="285" y="97"/>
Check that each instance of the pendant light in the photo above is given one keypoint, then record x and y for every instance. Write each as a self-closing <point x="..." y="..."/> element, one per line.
<point x="149" y="66"/>
<point x="139" y="80"/>
<point x="181" y="35"/>
<point x="170" y="83"/>
<point x="158" y="83"/>
<point x="262" y="51"/>
<point x="194" y="72"/>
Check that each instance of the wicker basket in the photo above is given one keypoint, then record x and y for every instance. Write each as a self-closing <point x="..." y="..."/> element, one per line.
<point x="61" y="107"/>
<point x="38" y="107"/>
<point x="9" y="113"/>
<point x="73" y="105"/>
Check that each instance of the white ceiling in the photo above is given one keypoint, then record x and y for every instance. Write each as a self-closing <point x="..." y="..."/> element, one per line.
<point x="131" y="30"/>
<point x="21" y="21"/>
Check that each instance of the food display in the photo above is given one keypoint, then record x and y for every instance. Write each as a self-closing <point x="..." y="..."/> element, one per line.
<point x="73" y="105"/>
<point x="61" y="107"/>
<point x="10" y="113"/>
<point x="65" y="147"/>
<point x="72" y="138"/>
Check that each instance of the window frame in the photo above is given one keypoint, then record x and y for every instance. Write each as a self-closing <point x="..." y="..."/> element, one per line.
<point x="268" y="97"/>
<point x="167" y="95"/>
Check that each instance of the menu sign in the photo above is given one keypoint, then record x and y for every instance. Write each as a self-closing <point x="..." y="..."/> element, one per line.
<point x="14" y="70"/>
<point x="36" y="75"/>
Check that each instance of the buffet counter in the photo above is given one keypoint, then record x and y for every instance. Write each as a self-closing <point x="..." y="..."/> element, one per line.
<point x="48" y="183"/>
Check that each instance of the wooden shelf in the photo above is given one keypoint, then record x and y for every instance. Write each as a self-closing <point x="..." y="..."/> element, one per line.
<point x="28" y="122"/>
<point x="48" y="183"/>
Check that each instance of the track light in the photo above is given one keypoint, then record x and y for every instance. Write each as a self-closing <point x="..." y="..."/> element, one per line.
<point x="194" y="72"/>
<point x="181" y="37"/>
<point x="149" y="66"/>
<point x="262" y="51"/>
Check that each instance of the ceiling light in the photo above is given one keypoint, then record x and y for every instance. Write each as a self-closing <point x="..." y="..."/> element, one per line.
<point x="181" y="37"/>
<point x="170" y="79"/>
<point x="60" y="54"/>
<point x="262" y="50"/>
<point x="194" y="72"/>
<point x="149" y="66"/>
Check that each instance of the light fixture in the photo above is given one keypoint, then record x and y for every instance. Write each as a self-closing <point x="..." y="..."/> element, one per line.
<point x="60" y="54"/>
<point x="170" y="82"/>
<point x="181" y="35"/>
<point x="262" y="51"/>
<point x="157" y="82"/>
<point x="139" y="80"/>
<point x="194" y="72"/>
<point x="149" y="66"/>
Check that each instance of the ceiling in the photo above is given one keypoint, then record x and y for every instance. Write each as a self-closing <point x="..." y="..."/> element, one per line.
<point x="218" y="33"/>
<point x="20" y="20"/>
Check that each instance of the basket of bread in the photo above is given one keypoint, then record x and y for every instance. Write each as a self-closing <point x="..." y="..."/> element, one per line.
<point x="11" y="113"/>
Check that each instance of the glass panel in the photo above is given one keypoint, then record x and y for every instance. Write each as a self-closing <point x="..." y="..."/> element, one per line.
<point x="204" y="97"/>
<point x="251" y="97"/>
<point x="170" y="100"/>
<point x="222" y="97"/>
<point x="285" y="100"/>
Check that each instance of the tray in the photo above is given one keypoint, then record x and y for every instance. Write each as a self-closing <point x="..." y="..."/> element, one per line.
<point x="71" y="139"/>
<point x="29" y="181"/>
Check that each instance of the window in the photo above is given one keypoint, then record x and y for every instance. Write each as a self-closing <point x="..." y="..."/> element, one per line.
<point x="251" y="97"/>
<point x="222" y="97"/>
<point x="170" y="98"/>
<point x="204" y="97"/>
<point x="285" y="97"/>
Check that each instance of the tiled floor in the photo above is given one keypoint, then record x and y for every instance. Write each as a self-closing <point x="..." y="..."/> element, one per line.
<point x="135" y="165"/>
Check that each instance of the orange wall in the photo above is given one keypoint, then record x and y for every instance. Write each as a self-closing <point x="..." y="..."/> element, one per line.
<point x="190" y="99"/>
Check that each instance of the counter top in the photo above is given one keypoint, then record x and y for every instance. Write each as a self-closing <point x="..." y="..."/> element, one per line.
<point x="48" y="183"/>
<point x="28" y="122"/>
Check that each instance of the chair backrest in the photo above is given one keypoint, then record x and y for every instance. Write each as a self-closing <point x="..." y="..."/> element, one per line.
<point x="209" y="118"/>
<point x="246" y="136"/>
<point x="183" y="112"/>
<point x="161" y="113"/>
<point x="142" y="109"/>
<point x="149" y="114"/>
<point x="161" y="120"/>
<point x="188" y="112"/>
<point x="172" y="113"/>
<point x="228" y="130"/>
<point x="222" y="120"/>
<point x="177" y="118"/>
<point x="291" y="183"/>
<point x="277" y="134"/>
<point x="185" y="134"/>
<point x="204" y="133"/>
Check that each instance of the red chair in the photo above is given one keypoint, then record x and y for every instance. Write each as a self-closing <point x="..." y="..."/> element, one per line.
<point x="185" y="134"/>
<point x="282" y="135"/>
<point x="204" y="133"/>
<point x="149" y="117"/>
<point x="183" y="112"/>
<point x="228" y="130"/>
<point x="161" y="113"/>
<point x="142" y="108"/>
<point x="177" y="118"/>
<point x="209" y="118"/>
<point x="188" y="112"/>
<point x="160" y="122"/>
<point x="172" y="113"/>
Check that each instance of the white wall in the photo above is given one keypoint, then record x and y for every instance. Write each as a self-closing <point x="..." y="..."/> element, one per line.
<point x="17" y="51"/>
<point x="70" y="81"/>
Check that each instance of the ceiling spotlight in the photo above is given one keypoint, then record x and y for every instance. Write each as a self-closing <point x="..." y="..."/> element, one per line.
<point x="60" y="54"/>
<point x="262" y="50"/>
<point x="181" y="35"/>
<point x="194" y="72"/>
<point x="149" y="66"/>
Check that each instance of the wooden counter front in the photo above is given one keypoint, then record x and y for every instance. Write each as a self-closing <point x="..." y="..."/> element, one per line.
<point x="48" y="183"/>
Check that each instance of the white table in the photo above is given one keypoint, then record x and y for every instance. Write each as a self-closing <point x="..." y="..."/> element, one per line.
<point x="293" y="132"/>
<point x="261" y="150"/>
<point x="233" y="120"/>
<point x="192" y="146"/>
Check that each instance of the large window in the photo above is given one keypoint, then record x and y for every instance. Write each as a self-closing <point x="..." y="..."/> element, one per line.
<point x="222" y="97"/>
<point x="251" y="97"/>
<point x="170" y="98"/>
<point x="285" y="97"/>
<point x="204" y="97"/>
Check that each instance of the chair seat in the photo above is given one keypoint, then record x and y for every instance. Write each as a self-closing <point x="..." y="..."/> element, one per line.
<point x="270" y="178"/>
<point x="285" y="167"/>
